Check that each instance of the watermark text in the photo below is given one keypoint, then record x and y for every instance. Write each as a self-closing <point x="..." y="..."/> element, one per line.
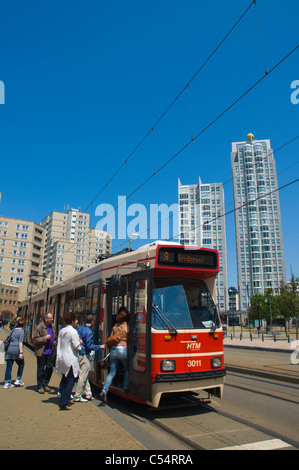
<point x="160" y="221"/>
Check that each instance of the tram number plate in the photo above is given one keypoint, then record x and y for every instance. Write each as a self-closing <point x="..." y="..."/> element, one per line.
<point x="194" y="363"/>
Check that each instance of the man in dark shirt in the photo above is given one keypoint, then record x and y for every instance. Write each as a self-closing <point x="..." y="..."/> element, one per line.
<point x="44" y="339"/>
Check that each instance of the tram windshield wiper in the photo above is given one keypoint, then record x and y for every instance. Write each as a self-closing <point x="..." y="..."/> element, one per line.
<point x="214" y="325"/>
<point x="165" y="320"/>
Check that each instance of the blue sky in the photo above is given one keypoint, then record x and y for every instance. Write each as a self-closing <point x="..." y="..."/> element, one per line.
<point x="85" y="82"/>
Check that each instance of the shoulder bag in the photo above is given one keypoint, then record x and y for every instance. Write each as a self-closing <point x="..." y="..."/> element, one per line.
<point x="112" y="340"/>
<point x="7" y="342"/>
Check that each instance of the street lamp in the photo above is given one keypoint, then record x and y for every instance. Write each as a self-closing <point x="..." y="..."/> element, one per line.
<point x="134" y="235"/>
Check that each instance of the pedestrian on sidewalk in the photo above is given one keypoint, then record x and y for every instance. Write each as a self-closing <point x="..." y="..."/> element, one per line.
<point x="44" y="341"/>
<point x="15" y="353"/>
<point x="87" y="346"/>
<point x="67" y="362"/>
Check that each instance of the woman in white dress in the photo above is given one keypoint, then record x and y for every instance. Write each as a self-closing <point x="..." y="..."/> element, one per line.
<point x="67" y="362"/>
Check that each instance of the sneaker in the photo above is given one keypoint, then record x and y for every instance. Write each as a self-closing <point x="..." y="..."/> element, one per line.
<point x="80" y="399"/>
<point x="103" y="396"/>
<point x="66" y="407"/>
<point x="19" y="383"/>
<point x="89" y="398"/>
<point x="8" y="385"/>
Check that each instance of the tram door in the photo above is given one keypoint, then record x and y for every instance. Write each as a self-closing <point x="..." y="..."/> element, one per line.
<point x="140" y="335"/>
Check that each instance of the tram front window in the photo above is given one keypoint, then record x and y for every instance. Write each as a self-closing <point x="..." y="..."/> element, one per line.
<point x="186" y="305"/>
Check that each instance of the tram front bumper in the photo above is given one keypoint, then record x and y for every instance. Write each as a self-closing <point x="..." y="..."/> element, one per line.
<point x="210" y="381"/>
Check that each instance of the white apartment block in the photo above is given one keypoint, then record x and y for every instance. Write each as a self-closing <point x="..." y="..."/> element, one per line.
<point x="201" y="223"/>
<point x="259" y="243"/>
<point x="71" y="245"/>
<point x="21" y="255"/>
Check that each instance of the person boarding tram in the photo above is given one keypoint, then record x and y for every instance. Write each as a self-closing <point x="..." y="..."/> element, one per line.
<point x="119" y="353"/>
<point x="87" y="346"/>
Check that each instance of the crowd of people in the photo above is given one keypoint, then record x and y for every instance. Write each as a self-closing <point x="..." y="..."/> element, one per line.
<point x="69" y="353"/>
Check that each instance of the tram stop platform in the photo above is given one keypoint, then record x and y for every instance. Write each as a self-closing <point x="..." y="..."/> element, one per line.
<point x="265" y="356"/>
<point x="33" y="421"/>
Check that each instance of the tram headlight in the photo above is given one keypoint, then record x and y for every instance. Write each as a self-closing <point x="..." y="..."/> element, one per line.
<point x="168" y="365"/>
<point x="216" y="362"/>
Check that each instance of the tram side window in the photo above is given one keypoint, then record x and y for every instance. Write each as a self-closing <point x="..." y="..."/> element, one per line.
<point x="53" y="307"/>
<point x="121" y="297"/>
<point x="79" y="305"/>
<point x="40" y="311"/>
<point x="33" y="314"/>
<point x="68" y="306"/>
<point x="139" y="326"/>
<point x="61" y="311"/>
<point x="92" y="295"/>
<point x="88" y="299"/>
<point x="94" y="304"/>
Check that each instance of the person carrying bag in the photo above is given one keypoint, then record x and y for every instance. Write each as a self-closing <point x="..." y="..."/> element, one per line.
<point x="119" y="351"/>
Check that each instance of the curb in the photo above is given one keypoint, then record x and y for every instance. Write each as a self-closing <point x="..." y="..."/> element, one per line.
<point x="260" y="373"/>
<point x="257" y="348"/>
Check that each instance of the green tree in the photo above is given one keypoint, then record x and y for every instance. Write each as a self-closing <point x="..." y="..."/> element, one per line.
<point x="264" y="306"/>
<point x="288" y="301"/>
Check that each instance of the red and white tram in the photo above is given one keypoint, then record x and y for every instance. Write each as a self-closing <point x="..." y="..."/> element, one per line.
<point x="176" y="339"/>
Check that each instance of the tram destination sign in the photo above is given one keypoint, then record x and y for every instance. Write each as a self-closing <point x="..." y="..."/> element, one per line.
<point x="184" y="258"/>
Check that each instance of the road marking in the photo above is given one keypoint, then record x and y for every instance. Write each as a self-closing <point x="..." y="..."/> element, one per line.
<point x="261" y="445"/>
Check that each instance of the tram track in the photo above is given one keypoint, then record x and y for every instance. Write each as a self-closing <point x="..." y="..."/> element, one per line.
<point x="190" y="425"/>
<point x="261" y="429"/>
<point x="260" y="392"/>
<point x="191" y="445"/>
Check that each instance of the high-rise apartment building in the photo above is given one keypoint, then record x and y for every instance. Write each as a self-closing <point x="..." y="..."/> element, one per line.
<point x="21" y="255"/>
<point x="201" y="223"/>
<point x="233" y="300"/>
<point x="259" y="244"/>
<point x="71" y="245"/>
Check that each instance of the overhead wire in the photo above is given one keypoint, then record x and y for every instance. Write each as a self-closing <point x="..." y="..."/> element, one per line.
<point x="228" y="212"/>
<point x="155" y="172"/>
<point x="208" y="126"/>
<point x="172" y="103"/>
<point x="244" y="205"/>
<point x="200" y="133"/>
<point x="151" y="130"/>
